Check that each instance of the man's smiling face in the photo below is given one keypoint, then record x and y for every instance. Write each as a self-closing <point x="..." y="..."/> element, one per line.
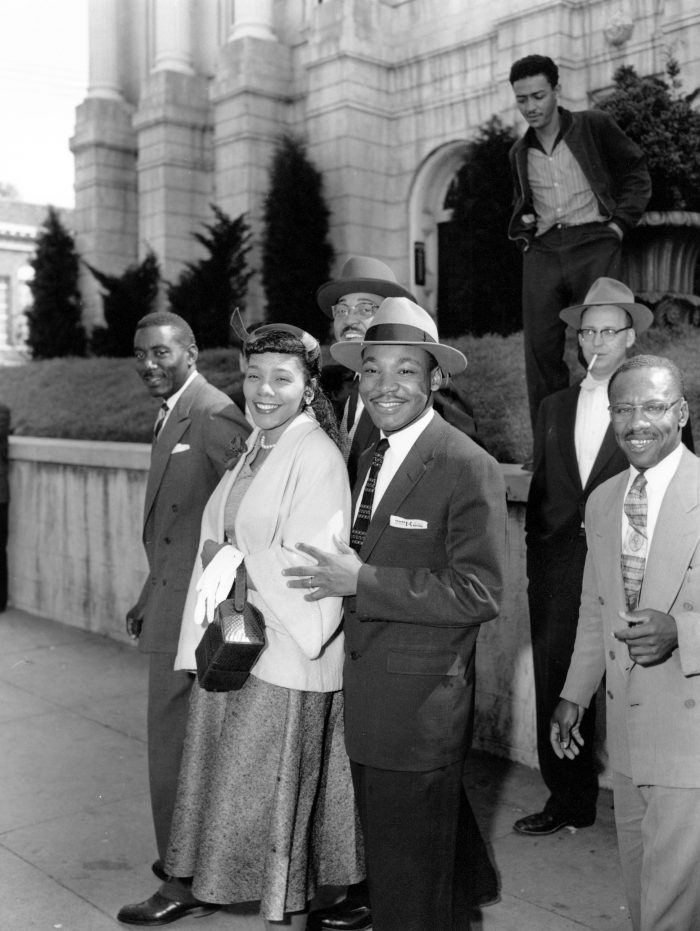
<point x="397" y="384"/>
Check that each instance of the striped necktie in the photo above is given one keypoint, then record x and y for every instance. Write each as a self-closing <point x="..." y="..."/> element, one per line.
<point x="634" y="544"/>
<point x="364" y="512"/>
<point x="160" y="420"/>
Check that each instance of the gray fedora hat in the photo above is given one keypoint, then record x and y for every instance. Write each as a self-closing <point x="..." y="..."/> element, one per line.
<point x="400" y="322"/>
<point x="606" y="291"/>
<point x="360" y="273"/>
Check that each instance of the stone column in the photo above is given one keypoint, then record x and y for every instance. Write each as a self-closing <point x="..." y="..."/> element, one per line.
<point x="252" y="18"/>
<point x="104" y="147"/>
<point x="173" y="29"/>
<point x="173" y="125"/>
<point x="250" y="98"/>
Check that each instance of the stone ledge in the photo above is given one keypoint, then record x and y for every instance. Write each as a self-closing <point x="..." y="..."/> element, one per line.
<point x="88" y="453"/>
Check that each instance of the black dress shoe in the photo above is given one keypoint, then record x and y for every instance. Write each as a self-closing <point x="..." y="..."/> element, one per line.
<point x="161" y="911"/>
<point x="348" y="915"/>
<point x="542" y="822"/>
<point x="158" y="871"/>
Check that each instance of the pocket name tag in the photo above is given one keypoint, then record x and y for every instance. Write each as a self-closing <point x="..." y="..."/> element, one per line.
<point x="407" y="523"/>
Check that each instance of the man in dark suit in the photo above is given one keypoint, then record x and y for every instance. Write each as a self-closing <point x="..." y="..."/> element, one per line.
<point x="425" y="569"/>
<point x="4" y="499"/>
<point x="193" y="436"/>
<point x="574" y="452"/>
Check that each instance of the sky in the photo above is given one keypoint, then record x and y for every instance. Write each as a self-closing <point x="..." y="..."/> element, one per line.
<point x="43" y="77"/>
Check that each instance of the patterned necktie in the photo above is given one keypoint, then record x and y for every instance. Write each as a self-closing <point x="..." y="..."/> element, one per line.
<point x="160" y="419"/>
<point x="364" y="513"/>
<point x="634" y="545"/>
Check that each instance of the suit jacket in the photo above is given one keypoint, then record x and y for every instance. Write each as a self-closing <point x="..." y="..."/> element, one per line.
<point x="557" y="501"/>
<point x="422" y="593"/>
<point x="186" y="463"/>
<point x="653" y="713"/>
<point x="300" y="493"/>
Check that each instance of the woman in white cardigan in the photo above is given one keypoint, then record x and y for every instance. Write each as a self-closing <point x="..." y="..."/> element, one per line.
<point x="265" y="807"/>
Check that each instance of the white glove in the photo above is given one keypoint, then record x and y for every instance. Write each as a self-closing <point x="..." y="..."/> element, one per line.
<point x="215" y="583"/>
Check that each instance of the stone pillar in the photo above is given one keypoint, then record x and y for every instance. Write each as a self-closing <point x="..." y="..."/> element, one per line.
<point x="173" y="29"/>
<point x="251" y="101"/>
<point x="173" y="125"/>
<point x="252" y="18"/>
<point x="104" y="147"/>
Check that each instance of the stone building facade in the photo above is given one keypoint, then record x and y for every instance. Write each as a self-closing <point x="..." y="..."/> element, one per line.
<point x="187" y="98"/>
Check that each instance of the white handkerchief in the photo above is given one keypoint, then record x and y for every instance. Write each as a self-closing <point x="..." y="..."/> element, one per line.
<point x="215" y="583"/>
<point x="180" y="448"/>
<point x="407" y="523"/>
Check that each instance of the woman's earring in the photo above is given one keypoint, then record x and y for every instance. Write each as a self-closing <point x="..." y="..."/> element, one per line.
<point x="308" y="398"/>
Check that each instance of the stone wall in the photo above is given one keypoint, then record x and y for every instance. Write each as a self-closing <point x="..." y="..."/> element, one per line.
<point x="75" y="555"/>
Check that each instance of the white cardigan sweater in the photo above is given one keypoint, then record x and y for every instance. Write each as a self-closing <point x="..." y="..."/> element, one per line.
<point x="299" y="495"/>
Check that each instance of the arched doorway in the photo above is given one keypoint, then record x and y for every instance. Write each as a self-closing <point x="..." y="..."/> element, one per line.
<point x="436" y="261"/>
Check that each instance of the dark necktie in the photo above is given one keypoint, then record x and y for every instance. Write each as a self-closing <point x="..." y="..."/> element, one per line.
<point x="364" y="513"/>
<point x="634" y="545"/>
<point x="160" y="419"/>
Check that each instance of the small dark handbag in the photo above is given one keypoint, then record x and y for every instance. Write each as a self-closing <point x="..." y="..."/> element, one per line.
<point x="232" y="642"/>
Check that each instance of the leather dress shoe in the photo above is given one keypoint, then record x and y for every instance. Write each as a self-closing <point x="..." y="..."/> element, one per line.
<point x="158" y="871"/>
<point x="543" y="822"/>
<point x="161" y="911"/>
<point x="348" y="915"/>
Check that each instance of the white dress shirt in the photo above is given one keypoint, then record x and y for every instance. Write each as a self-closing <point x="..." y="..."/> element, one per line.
<point x="658" y="479"/>
<point x="592" y="420"/>
<point x="400" y="445"/>
<point x="174" y="398"/>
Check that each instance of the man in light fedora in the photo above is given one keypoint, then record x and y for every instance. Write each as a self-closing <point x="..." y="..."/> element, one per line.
<point x="574" y="452"/>
<point x="351" y="301"/>
<point x="423" y="570"/>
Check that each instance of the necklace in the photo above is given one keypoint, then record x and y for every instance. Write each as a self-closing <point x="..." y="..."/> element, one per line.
<point x="264" y="445"/>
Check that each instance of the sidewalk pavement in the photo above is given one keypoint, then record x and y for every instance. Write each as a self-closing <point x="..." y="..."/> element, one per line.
<point x="76" y="840"/>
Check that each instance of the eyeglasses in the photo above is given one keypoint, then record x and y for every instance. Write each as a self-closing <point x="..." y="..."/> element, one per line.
<point x="607" y="334"/>
<point x="652" y="410"/>
<point x="361" y="308"/>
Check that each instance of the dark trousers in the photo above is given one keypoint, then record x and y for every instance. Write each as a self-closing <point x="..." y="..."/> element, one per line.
<point x="558" y="269"/>
<point x="168" y="706"/>
<point x="4" y="507"/>
<point x="415" y="827"/>
<point x="555" y="574"/>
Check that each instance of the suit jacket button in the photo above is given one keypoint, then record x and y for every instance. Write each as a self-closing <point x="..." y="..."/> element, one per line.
<point x="689" y="703"/>
<point x="611" y="654"/>
<point x="687" y="606"/>
<point x="354" y="654"/>
<point x="174" y="507"/>
<point x="166" y="540"/>
<point x="601" y="599"/>
<point x="610" y="694"/>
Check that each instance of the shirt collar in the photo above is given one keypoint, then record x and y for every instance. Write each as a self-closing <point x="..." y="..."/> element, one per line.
<point x="174" y="398"/>
<point x="661" y="474"/>
<point x="403" y="440"/>
<point x="590" y="383"/>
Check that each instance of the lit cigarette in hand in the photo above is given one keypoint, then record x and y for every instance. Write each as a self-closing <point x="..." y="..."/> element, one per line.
<point x="592" y="362"/>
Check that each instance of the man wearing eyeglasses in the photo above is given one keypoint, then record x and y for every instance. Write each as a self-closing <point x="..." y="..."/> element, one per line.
<point x="574" y="452"/>
<point x="352" y="300"/>
<point x="639" y="624"/>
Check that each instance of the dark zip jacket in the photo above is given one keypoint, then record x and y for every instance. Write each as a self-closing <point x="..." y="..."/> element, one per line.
<point x="614" y="166"/>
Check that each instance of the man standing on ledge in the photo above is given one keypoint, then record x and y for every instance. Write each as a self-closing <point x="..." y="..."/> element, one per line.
<point x="639" y="625"/>
<point x="574" y="452"/>
<point x="423" y="571"/>
<point x="192" y="438"/>
<point x="580" y="185"/>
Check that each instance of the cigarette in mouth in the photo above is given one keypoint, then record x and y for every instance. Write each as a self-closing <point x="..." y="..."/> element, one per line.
<point x="592" y="362"/>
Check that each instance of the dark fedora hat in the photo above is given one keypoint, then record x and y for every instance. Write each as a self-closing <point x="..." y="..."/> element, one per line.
<point x="360" y="273"/>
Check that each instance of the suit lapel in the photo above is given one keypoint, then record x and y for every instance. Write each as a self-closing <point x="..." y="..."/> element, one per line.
<point x="675" y="538"/>
<point x="566" y="424"/>
<point x="607" y="450"/>
<point x="170" y="435"/>
<point x="409" y="474"/>
<point x="608" y="550"/>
